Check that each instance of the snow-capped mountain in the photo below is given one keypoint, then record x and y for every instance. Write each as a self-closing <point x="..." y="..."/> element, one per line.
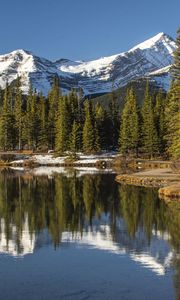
<point x="151" y="58"/>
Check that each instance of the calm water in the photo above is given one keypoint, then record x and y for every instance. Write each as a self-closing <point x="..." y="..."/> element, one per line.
<point x="83" y="236"/>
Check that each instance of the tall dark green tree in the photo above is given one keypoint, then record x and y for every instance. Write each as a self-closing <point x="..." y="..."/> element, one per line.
<point x="159" y="114"/>
<point x="18" y="113"/>
<point x="173" y="106"/>
<point x="101" y="120"/>
<point x="113" y="120"/>
<point x="34" y="122"/>
<point x="27" y="128"/>
<point x="7" y="124"/>
<point x="88" y="131"/>
<point x="149" y="131"/>
<point x="53" y="100"/>
<point x="63" y="126"/>
<point x="43" y="138"/>
<point x="89" y="138"/>
<point x="73" y="102"/>
<point x="129" y="130"/>
<point x="75" y="138"/>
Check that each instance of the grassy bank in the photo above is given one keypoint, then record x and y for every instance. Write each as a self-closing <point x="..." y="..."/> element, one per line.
<point x="165" y="179"/>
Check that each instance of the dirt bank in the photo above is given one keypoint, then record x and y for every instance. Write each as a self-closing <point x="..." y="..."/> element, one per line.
<point x="165" y="179"/>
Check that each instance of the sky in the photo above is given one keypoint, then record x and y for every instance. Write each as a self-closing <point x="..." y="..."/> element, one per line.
<point x="83" y="29"/>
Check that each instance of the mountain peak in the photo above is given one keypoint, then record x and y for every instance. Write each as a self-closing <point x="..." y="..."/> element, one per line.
<point x="96" y="76"/>
<point x="160" y="37"/>
<point x="18" y="51"/>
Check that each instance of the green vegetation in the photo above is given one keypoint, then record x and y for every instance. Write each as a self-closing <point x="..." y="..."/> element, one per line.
<point x="129" y="130"/>
<point x="149" y="128"/>
<point x="173" y="106"/>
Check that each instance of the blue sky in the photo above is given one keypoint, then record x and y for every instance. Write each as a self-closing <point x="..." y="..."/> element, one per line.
<point x="83" y="29"/>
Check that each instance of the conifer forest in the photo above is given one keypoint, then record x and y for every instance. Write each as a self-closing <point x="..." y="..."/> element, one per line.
<point x="71" y="123"/>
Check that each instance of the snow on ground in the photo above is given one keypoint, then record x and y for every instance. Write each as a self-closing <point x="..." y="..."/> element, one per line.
<point x="48" y="159"/>
<point x="90" y="159"/>
<point x="45" y="159"/>
<point x="50" y="165"/>
<point x="83" y="159"/>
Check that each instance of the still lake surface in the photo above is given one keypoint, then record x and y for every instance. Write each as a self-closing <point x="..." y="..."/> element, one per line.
<point x="84" y="236"/>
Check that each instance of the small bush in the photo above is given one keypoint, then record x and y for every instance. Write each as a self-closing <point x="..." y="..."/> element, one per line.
<point x="7" y="157"/>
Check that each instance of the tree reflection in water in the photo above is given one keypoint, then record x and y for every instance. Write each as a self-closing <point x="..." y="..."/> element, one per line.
<point x="76" y="204"/>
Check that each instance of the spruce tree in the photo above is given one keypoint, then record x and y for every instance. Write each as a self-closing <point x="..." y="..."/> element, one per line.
<point x="53" y="99"/>
<point x="75" y="138"/>
<point x="149" y="131"/>
<point x="100" y="121"/>
<point x="173" y="106"/>
<point x="129" y="130"/>
<point x="97" y="139"/>
<point x="73" y="102"/>
<point x="27" y="128"/>
<point x="43" y="139"/>
<point x="113" y="120"/>
<point x="62" y="128"/>
<point x="159" y="114"/>
<point x="18" y="113"/>
<point x="34" y="121"/>
<point x="88" y="130"/>
<point x="7" y="124"/>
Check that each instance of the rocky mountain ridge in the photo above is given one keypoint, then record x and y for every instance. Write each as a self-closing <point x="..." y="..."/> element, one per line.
<point x="151" y="59"/>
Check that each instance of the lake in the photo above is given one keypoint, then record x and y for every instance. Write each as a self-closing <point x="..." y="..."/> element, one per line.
<point x="82" y="236"/>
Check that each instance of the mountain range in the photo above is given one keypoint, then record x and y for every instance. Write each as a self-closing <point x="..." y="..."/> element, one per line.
<point x="151" y="59"/>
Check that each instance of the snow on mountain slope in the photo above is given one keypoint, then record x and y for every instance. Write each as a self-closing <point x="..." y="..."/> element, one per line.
<point x="32" y="69"/>
<point x="148" y="59"/>
<point x="160" y="37"/>
<point x="97" y="75"/>
<point x="89" y="68"/>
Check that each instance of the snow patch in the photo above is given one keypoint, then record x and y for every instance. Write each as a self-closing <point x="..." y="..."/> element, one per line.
<point x="48" y="159"/>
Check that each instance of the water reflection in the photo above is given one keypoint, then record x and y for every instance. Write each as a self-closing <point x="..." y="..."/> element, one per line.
<point x="89" y="211"/>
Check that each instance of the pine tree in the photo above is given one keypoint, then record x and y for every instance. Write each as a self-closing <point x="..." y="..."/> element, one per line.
<point x="173" y="106"/>
<point x="18" y="113"/>
<point x="7" y="124"/>
<point x="43" y="139"/>
<point x="62" y="126"/>
<point x="53" y="99"/>
<point x="113" y="120"/>
<point x="73" y="103"/>
<point x="149" y="132"/>
<point x="34" y="123"/>
<point x="88" y="130"/>
<point x="97" y="140"/>
<point x="75" y="139"/>
<point x="101" y="121"/>
<point x="129" y="130"/>
<point x="159" y="113"/>
<point x="27" y="128"/>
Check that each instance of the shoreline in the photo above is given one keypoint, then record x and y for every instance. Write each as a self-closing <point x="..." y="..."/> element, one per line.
<point x="166" y="180"/>
<point x="140" y="172"/>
